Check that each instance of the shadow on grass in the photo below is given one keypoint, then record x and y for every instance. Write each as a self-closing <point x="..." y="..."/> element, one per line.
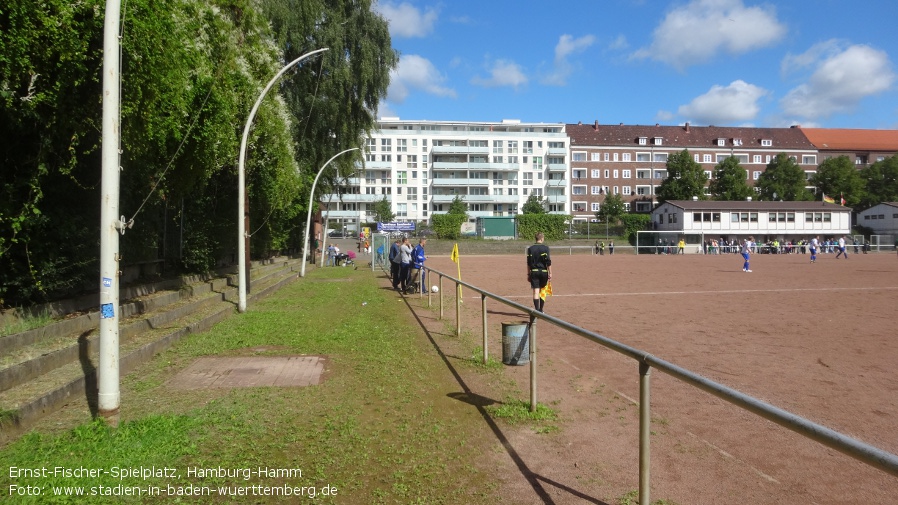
<point x="537" y="482"/>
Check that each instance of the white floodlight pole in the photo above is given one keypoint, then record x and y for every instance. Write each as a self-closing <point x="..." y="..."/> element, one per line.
<point x="241" y="185"/>
<point x="305" y="245"/>
<point x="108" y="391"/>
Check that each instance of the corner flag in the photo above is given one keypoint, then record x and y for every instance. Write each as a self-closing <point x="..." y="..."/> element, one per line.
<point x="454" y="255"/>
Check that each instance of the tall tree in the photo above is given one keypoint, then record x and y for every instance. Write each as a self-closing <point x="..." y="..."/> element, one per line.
<point x="458" y="206"/>
<point x="783" y="180"/>
<point x="533" y="205"/>
<point x="838" y="176"/>
<point x="612" y="209"/>
<point x="383" y="211"/>
<point x="881" y="180"/>
<point x="685" y="179"/>
<point x="730" y="181"/>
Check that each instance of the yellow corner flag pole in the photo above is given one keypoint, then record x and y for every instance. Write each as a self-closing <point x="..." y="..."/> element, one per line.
<point x="455" y="259"/>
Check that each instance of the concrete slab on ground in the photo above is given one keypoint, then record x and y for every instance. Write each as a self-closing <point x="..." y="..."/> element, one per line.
<point x="250" y="371"/>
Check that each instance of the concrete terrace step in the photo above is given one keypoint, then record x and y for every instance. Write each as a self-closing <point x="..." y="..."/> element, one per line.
<point x="37" y="386"/>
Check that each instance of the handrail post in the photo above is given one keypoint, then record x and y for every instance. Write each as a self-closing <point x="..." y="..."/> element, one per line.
<point x="645" y="424"/>
<point x="483" y="311"/>
<point x="532" y="334"/>
<point x="440" y="282"/>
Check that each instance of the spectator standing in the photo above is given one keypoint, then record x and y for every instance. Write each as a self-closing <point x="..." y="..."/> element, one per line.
<point x="611" y="247"/>
<point x="681" y="246"/>
<point x="405" y="263"/>
<point x="395" y="259"/>
<point x="418" y="259"/>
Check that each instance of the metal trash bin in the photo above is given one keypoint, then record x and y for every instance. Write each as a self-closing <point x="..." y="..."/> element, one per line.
<point x="516" y="343"/>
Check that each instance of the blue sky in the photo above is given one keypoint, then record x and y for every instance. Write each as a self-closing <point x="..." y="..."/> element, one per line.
<point x="818" y="63"/>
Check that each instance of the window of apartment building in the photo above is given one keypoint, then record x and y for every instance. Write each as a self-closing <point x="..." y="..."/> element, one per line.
<point x="766" y="142"/>
<point x="756" y="175"/>
<point x="660" y="157"/>
<point x="401" y="177"/>
<point x="538" y="192"/>
<point x="880" y="158"/>
<point x="478" y="191"/>
<point x="696" y="158"/>
<point x="607" y="173"/>
<point x="578" y="156"/>
<point x="497" y="191"/>
<point x="539" y="176"/>
<point x="659" y="141"/>
<point x="512" y="178"/>
<point x="528" y="178"/>
<point x="625" y="174"/>
<point x="528" y="147"/>
<point x="512" y="147"/>
<point x="401" y="210"/>
<point x="553" y="160"/>
<point x="708" y="174"/>
<point x="512" y="191"/>
<point x="554" y="207"/>
<point x="386" y="190"/>
<point x="756" y="158"/>
<point x="385" y="177"/>
<point x="809" y="173"/>
<point x="643" y="174"/>
<point x="721" y="157"/>
<point x="743" y="158"/>
<point x="513" y="160"/>
<point x="578" y="206"/>
<point x="386" y="145"/>
<point x="616" y="174"/>
<point x="721" y="142"/>
<point x="401" y="146"/>
<point x="537" y="162"/>
<point x="414" y="142"/>
<point x="595" y="157"/>
<point x="424" y="178"/>
<point x="578" y="190"/>
<point x="370" y="190"/>
<point x="643" y="141"/>
<point x="398" y="190"/>
<point x="625" y="157"/>
<point x="660" y="174"/>
<point x="370" y="144"/>
<point x="645" y="157"/>
<point x="411" y="161"/>
<point x="643" y="190"/>
<point x="370" y="157"/>
<point x="399" y="158"/>
<point x="794" y="159"/>
<point x="643" y="206"/>
<point x="607" y="156"/>
<point x="370" y="176"/>
<point x="615" y="156"/>
<point x="809" y="159"/>
<point x="616" y="190"/>
<point x="706" y="158"/>
<point x="556" y="145"/>
<point x="594" y="206"/>
<point x="578" y="174"/>
<point x="626" y="190"/>
<point x="497" y="159"/>
<point x="497" y="178"/>
<point x="497" y="146"/>
<point x="596" y="190"/>
<point x="411" y="194"/>
<point x="386" y="157"/>
<point x="595" y="173"/>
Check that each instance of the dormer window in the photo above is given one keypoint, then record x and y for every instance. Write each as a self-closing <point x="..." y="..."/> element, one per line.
<point x="737" y="142"/>
<point x="643" y="140"/>
<point x="766" y="142"/>
<point x="721" y="142"/>
<point x="658" y="141"/>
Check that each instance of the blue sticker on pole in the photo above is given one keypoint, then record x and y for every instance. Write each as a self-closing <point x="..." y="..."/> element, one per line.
<point x="107" y="311"/>
<point x="107" y="282"/>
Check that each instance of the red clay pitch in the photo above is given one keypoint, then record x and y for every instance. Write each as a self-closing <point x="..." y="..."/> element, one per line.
<point x="818" y="340"/>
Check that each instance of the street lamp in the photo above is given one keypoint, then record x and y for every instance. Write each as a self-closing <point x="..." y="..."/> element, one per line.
<point x="305" y="245"/>
<point x="241" y="186"/>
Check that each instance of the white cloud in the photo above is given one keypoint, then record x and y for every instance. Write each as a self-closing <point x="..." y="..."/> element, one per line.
<point x="725" y="105"/>
<point x="416" y="73"/>
<point x="406" y="20"/>
<point x="699" y="30"/>
<point x="664" y="115"/>
<point x="503" y="73"/>
<point x="842" y="79"/>
<point x="619" y="43"/>
<point x="566" y="46"/>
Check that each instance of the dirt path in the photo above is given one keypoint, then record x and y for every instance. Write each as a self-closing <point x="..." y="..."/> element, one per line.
<point x="815" y="339"/>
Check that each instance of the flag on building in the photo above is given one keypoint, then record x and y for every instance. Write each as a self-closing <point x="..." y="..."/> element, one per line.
<point x="828" y="199"/>
<point x="842" y="198"/>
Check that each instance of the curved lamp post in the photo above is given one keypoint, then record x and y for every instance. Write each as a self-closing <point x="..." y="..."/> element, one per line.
<point x="241" y="185"/>
<point x="305" y="245"/>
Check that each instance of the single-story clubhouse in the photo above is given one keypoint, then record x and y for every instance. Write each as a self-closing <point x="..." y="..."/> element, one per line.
<point x="766" y="221"/>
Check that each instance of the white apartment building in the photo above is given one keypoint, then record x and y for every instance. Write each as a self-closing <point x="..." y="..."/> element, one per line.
<point x="421" y="166"/>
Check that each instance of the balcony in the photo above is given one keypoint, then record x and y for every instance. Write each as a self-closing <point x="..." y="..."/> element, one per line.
<point x="352" y="198"/>
<point x="557" y="183"/>
<point x="444" y="182"/>
<point x="459" y="150"/>
<point x="562" y="151"/>
<point x="557" y="167"/>
<point x="373" y="165"/>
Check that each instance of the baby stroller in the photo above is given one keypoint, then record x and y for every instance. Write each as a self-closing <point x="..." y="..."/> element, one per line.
<point x="416" y="278"/>
<point x="346" y="259"/>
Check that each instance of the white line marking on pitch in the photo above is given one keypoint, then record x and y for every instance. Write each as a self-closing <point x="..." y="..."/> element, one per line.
<point x="724" y="291"/>
<point x="618" y="393"/>
<point x="728" y="455"/>
<point x="569" y="364"/>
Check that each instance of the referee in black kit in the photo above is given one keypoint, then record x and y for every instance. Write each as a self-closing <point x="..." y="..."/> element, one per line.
<point x="539" y="269"/>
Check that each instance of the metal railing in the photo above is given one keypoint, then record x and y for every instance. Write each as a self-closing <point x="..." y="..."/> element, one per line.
<point x="861" y="451"/>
